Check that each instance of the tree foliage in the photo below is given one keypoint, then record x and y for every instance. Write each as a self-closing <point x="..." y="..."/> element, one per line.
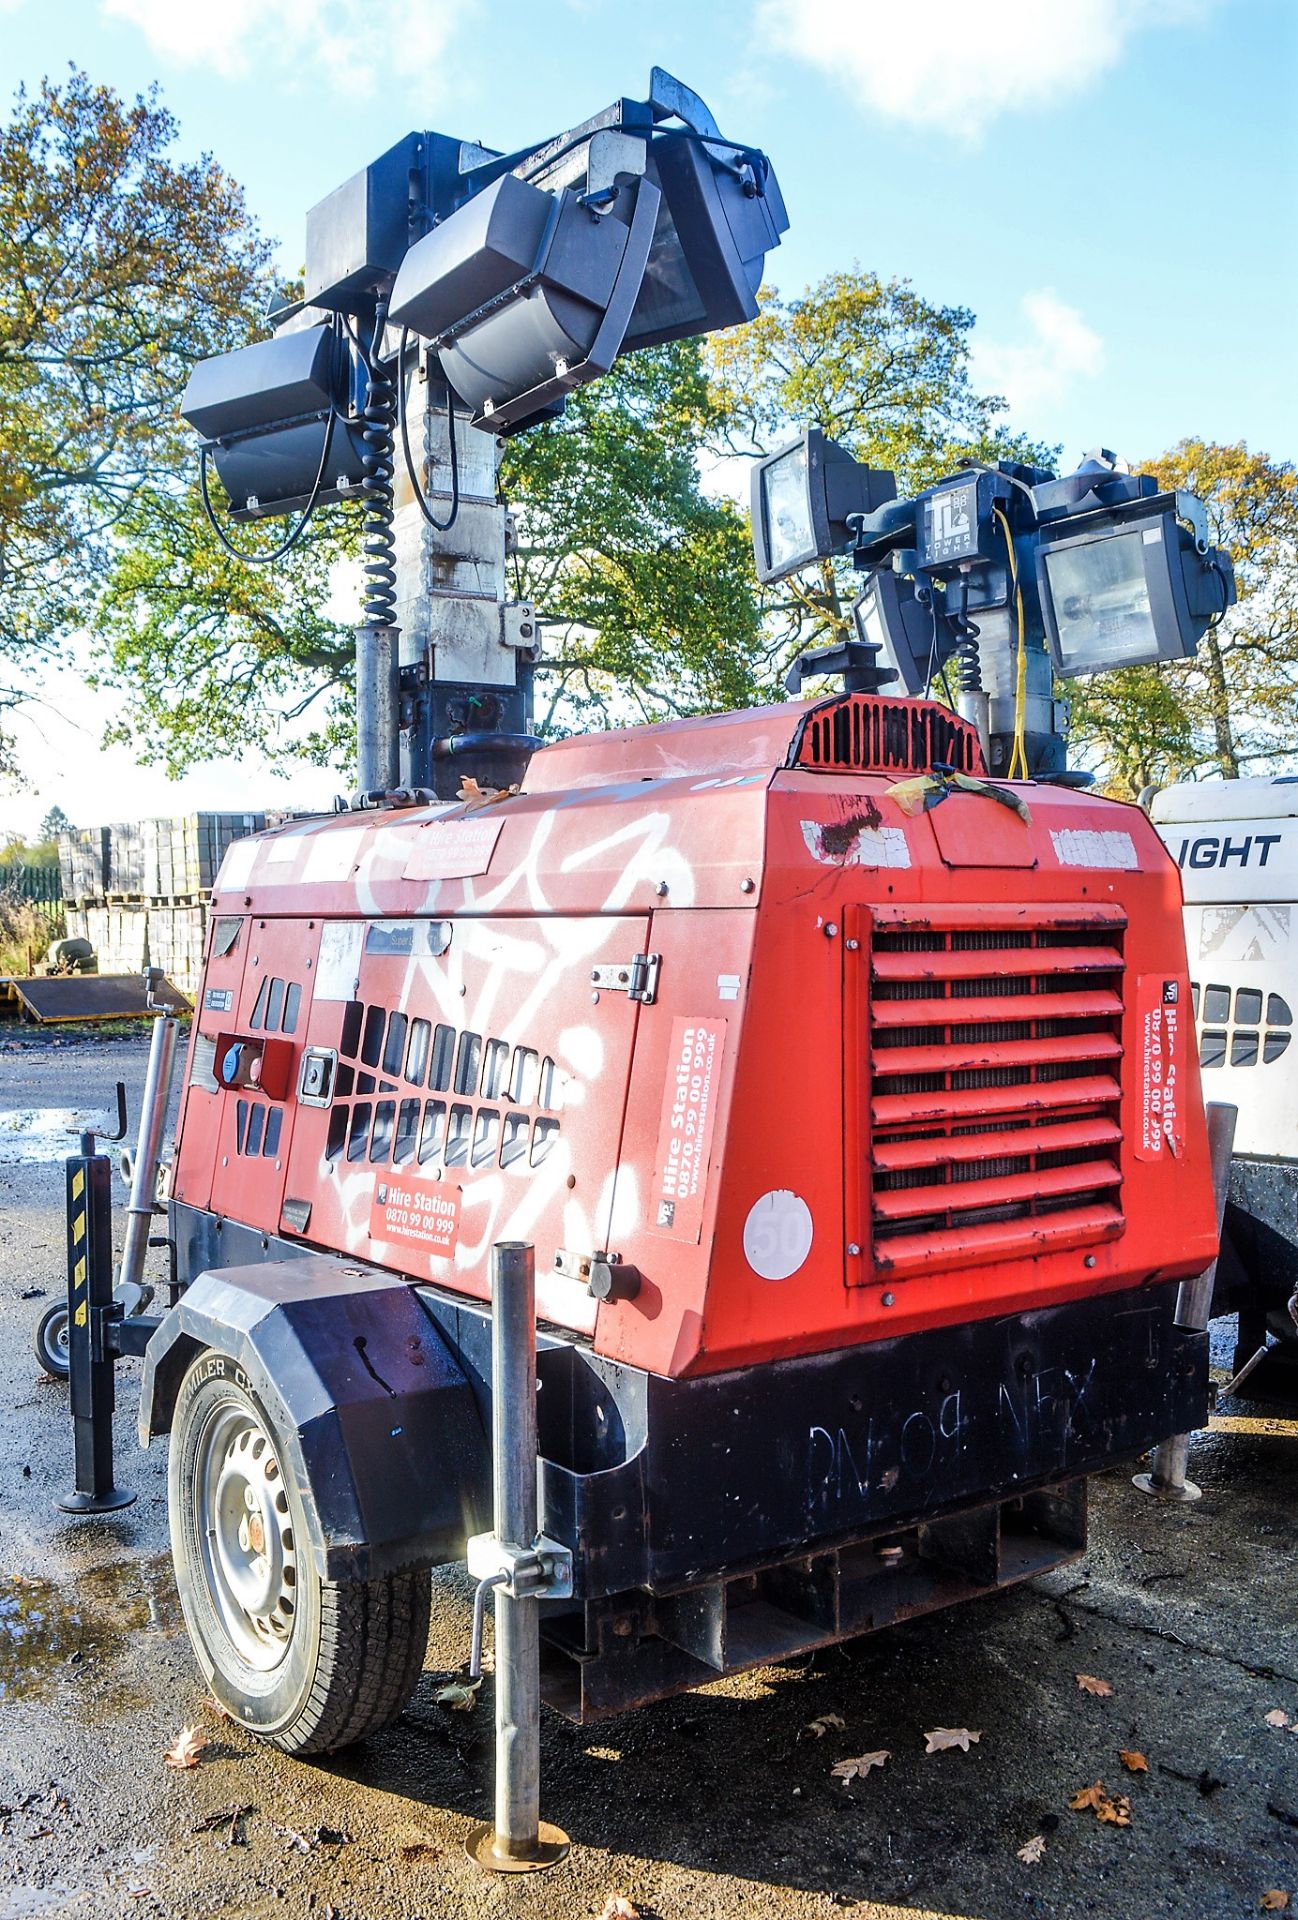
<point x="1230" y="710"/>
<point x="215" y="654"/>
<point x="644" y="583"/>
<point x="119" y="268"/>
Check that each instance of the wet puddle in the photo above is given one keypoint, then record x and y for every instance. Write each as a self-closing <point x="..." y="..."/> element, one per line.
<point x="52" y="1631"/>
<point x="30" y="1135"/>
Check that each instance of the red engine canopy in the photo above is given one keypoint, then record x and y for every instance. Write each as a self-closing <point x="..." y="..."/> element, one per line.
<point x="708" y="998"/>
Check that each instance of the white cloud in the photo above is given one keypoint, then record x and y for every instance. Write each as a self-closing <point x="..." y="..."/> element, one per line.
<point x="354" y="44"/>
<point x="956" y="65"/>
<point x="1036" y="371"/>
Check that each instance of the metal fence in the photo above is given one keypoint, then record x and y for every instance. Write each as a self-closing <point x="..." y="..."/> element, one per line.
<point x="39" y="885"/>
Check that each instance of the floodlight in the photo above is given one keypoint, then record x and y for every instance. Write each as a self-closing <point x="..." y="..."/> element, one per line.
<point x="889" y="618"/>
<point x="1128" y="589"/>
<point x="803" y="497"/>
<point x="525" y="294"/>
<point x="268" y="413"/>
<point x="721" y="214"/>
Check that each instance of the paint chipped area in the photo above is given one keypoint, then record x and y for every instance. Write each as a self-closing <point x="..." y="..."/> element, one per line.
<point x="855" y="842"/>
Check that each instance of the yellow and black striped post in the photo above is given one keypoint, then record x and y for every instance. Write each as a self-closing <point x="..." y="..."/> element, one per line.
<point x="90" y="1295"/>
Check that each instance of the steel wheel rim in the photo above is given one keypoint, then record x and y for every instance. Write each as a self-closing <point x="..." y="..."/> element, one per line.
<point x="246" y="1536"/>
<point x="55" y="1339"/>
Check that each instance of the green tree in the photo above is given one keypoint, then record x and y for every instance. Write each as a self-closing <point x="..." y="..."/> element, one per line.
<point x="119" y="268"/>
<point x="645" y="583"/>
<point x="54" y="823"/>
<point x="213" y="653"/>
<point x="1230" y="710"/>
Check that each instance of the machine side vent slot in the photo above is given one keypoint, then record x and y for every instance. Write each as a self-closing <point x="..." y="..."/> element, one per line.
<point x="491" y="1082"/>
<point x="277" y="1006"/>
<point x="863" y="733"/>
<point x="995" y="1084"/>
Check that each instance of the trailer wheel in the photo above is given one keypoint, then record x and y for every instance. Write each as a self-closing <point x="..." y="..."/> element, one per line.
<point x="51" y="1342"/>
<point x="308" y="1664"/>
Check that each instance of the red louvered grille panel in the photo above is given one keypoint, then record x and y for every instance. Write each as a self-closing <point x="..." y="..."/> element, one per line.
<point x="862" y="733"/>
<point x="995" y="1076"/>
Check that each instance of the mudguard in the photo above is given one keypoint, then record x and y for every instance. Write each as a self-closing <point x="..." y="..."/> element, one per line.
<point x="375" y="1417"/>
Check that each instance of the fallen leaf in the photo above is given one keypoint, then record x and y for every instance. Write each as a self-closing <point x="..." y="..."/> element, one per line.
<point x="185" y="1749"/>
<point x="1277" y="1718"/>
<point x="822" y="1723"/>
<point x="1114" y="1809"/>
<point x="1274" y="1901"/>
<point x="618" y="1907"/>
<point x="459" y="1695"/>
<point x="942" y="1738"/>
<point x="223" y="1817"/>
<point x="1033" y="1851"/>
<point x="1134" y="1762"/>
<point x="1089" y="1684"/>
<point x="859" y="1765"/>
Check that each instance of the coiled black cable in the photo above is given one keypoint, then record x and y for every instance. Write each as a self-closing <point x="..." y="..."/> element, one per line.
<point x="968" y="663"/>
<point x="378" y="430"/>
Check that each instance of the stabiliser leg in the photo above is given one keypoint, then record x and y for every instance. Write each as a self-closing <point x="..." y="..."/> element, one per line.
<point x="90" y="1308"/>
<point x="1169" y="1463"/>
<point x="521" y="1565"/>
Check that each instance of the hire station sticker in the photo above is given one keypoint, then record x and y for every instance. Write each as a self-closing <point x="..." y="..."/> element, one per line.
<point x="416" y="1213"/>
<point x="1160" y="1053"/>
<point x="685" y="1129"/>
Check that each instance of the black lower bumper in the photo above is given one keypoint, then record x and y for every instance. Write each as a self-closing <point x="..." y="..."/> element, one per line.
<point x="743" y="1517"/>
<point x="660" y="1483"/>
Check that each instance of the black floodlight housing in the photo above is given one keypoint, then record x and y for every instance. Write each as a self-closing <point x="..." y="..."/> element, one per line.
<point x="889" y="619"/>
<point x="1130" y="587"/>
<point x="805" y="497"/>
<point x="640" y="225"/>
<point x="525" y="294"/>
<point x="528" y="271"/>
<point x="273" y="420"/>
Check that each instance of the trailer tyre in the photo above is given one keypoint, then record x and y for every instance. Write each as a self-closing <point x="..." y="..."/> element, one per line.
<point x="51" y="1342"/>
<point x="308" y="1664"/>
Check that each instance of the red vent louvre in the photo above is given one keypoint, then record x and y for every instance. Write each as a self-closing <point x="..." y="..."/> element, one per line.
<point x="861" y="733"/>
<point x="995" y="1086"/>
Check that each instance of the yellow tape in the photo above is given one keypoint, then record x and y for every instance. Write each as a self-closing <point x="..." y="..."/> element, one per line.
<point x="79" y="1228"/>
<point x="80" y="1315"/>
<point x="78" y="1184"/>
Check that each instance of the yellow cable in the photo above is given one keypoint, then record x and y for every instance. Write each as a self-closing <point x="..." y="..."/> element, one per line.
<point x="1018" y="767"/>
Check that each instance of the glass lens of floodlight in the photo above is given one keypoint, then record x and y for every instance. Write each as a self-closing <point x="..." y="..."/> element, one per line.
<point x="790" y="536"/>
<point x="1101" y="604"/>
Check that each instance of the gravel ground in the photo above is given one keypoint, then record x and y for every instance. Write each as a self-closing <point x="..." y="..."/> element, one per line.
<point x="716" y="1804"/>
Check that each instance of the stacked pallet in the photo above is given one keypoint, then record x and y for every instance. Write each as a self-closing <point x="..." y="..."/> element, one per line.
<point x="119" y="935"/>
<point x="83" y="863"/>
<point x="138" y="890"/>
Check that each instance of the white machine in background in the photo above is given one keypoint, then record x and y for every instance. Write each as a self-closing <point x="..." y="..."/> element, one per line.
<point x="1236" y="843"/>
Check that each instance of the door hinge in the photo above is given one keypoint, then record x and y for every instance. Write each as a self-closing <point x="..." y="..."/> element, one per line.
<point x="637" y="978"/>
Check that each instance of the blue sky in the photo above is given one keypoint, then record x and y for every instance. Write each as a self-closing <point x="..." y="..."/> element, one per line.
<point x="1110" y="185"/>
